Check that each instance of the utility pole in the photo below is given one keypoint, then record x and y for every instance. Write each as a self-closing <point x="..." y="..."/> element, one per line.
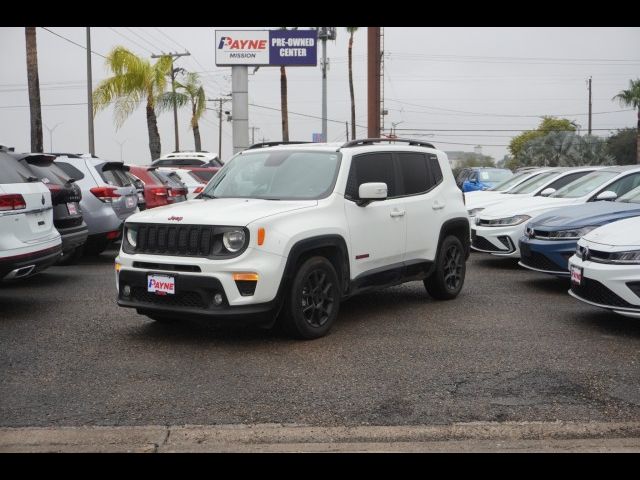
<point x="173" y="89"/>
<point x="121" y="144"/>
<point x="221" y="101"/>
<point x="589" y="128"/>
<point x="253" y="134"/>
<point x="324" y="34"/>
<point x="373" y="82"/>
<point x="92" y="145"/>
<point x="51" y="134"/>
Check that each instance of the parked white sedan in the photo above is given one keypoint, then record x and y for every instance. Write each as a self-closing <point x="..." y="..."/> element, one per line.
<point x="194" y="185"/>
<point x="498" y="229"/>
<point x="605" y="271"/>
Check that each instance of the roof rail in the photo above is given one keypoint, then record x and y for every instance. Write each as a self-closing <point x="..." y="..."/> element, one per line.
<point x="272" y="144"/>
<point x="370" y="141"/>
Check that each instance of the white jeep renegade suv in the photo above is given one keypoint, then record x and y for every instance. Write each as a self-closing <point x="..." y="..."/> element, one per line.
<point x="287" y="232"/>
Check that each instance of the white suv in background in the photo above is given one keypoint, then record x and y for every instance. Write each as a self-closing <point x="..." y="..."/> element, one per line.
<point x="29" y="241"/>
<point x="290" y="231"/>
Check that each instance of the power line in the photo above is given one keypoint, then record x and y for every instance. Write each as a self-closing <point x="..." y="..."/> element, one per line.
<point x="129" y="39"/>
<point x="141" y="38"/>
<point x="71" y="41"/>
<point x="303" y="115"/>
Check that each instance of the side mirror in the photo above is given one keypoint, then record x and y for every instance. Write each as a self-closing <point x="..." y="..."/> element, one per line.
<point x="369" y="192"/>
<point x="547" y="191"/>
<point x="607" y="195"/>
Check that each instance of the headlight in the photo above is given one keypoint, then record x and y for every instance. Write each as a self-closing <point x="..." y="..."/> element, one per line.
<point x="233" y="240"/>
<point x="630" y="257"/>
<point x="506" y="222"/>
<point x="474" y="211"/>
<point x="573" y="234"/>
<point x="132" y="236"/>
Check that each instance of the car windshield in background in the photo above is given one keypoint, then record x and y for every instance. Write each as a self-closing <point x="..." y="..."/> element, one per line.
<point x="585" y="185"/>
<point x="494" y="176"/>
<point x="205" y="175"/>
<point x="534" y="183"/>
<point x="507" y="184"/>
<point x="280" y="175"/>
<point x="632" y="196"/>
<point x="114" y="177"/>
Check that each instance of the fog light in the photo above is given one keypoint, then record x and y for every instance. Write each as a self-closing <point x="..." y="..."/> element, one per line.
<point x="217" y="298"/>
<point x="126" y="290"/>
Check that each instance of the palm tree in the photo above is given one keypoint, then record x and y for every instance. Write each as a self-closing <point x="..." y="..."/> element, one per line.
<point x="134" y="79"/>
<point x="631" y="98"/>
<point x="33" y="81"/>
<point x="190" y="92"/>
<point x="351" y="31"/>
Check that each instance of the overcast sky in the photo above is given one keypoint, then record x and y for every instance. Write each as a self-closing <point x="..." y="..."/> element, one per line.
<point x="457" y="87"/>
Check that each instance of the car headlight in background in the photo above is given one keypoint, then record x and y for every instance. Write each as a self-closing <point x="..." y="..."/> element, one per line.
<point x="132" y="236"/>
<point x="474" y="211"/>
<point x="505" y="222"/>
<point x="573" y="234"/>
<point x="233" y="240"/>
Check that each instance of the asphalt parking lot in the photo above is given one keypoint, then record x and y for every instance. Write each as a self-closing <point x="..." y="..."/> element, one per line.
<point x="513" y="347"/>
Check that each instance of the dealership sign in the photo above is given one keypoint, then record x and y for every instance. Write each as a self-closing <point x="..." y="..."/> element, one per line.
<point x="266" y="47"/>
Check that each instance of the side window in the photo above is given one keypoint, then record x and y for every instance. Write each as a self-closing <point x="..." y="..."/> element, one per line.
<point x="371" y="167"/>
<point x="566" y="180"/>
<point x="434" y="169"/>
<point x="625" y="184"/>
<point x="70" y="170"/>
<point x="415" y="176"/>
<point x="473" y="177"/>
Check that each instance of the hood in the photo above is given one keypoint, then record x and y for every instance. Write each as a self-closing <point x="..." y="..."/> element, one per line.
<point x="578" y="216"/>
<point x="532" y="206"/>
<point x="480" y="195"/>
<point x="219" y="211"/>
<point x="617" y="234"/>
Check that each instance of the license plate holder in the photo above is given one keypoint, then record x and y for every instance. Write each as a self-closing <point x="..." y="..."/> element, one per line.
<point x="73" y="210"/>
<point x="131" y="202"/>
<point x="576" y="274"/>
<point x="161" y="284"/>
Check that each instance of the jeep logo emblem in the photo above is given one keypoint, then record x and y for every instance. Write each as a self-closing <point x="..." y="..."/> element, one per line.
<point x="177" y="219"/>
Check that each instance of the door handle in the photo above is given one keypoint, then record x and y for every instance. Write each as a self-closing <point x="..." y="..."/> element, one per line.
<point x="437" y="205"/>
<point x="397" y="213"/>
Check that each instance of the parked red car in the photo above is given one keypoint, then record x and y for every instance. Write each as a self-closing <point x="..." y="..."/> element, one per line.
<point x="156" y="192"/>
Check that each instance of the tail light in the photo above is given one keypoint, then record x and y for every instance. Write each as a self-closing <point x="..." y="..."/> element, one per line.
<point x="199" y="189"/>
<point x="105" y="194"/>
<point x="177" y="192"/>
<point x="12" y="201"/>
<point x="158" y="192"/>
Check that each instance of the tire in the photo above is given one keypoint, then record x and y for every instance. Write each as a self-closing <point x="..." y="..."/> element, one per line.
<point x="96" y="246"/>
<point x="71" y="257"/>
<point x="447" y="279"/>
<point x="313" y="300"/>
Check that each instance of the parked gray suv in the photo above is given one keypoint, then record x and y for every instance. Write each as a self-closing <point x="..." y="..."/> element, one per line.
<point x="108" y="197"/>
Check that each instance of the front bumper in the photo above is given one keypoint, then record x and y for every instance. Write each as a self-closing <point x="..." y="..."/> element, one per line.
<point x="547" y="256"/>
<point x="608" y="286"/>
<point x="501" y="241"/>
<point x="194" y="299"/>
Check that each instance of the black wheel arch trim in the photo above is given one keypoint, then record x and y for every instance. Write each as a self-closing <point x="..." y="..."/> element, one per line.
<point x="454" y="224"/>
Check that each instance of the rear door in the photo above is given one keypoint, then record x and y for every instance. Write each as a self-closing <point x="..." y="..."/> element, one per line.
<point x="421" y="182"/>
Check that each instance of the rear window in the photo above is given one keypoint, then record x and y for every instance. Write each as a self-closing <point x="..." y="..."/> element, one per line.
<point x="114" y="176"/>
<point x="70" y="170"/>
<point x="50" y="174"/>
<point x="204" y="174"/>
<point x="12" y="171"/>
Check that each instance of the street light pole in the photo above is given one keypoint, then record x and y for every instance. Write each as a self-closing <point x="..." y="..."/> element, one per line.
<point x="51" y="134"/>
<point x="121" y="144"/>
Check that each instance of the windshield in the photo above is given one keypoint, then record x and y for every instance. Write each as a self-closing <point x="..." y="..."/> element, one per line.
<point x="494" y="176"/>
<point x="584" y="185"/>
<point x="276" y="175"/>
<point x="507" y="184"/>
<point x="531" y="185"/>
<point x="632" y="196"/>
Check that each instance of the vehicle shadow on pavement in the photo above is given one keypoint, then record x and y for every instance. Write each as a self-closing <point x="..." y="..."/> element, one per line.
<point x="611" y="323"/>
<point x="104" y="258"/>
<point x="42" y="280"/>
<point x="551" y="284"/>
<point x="499" y="262"/>
<point x="13" y="307"/>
